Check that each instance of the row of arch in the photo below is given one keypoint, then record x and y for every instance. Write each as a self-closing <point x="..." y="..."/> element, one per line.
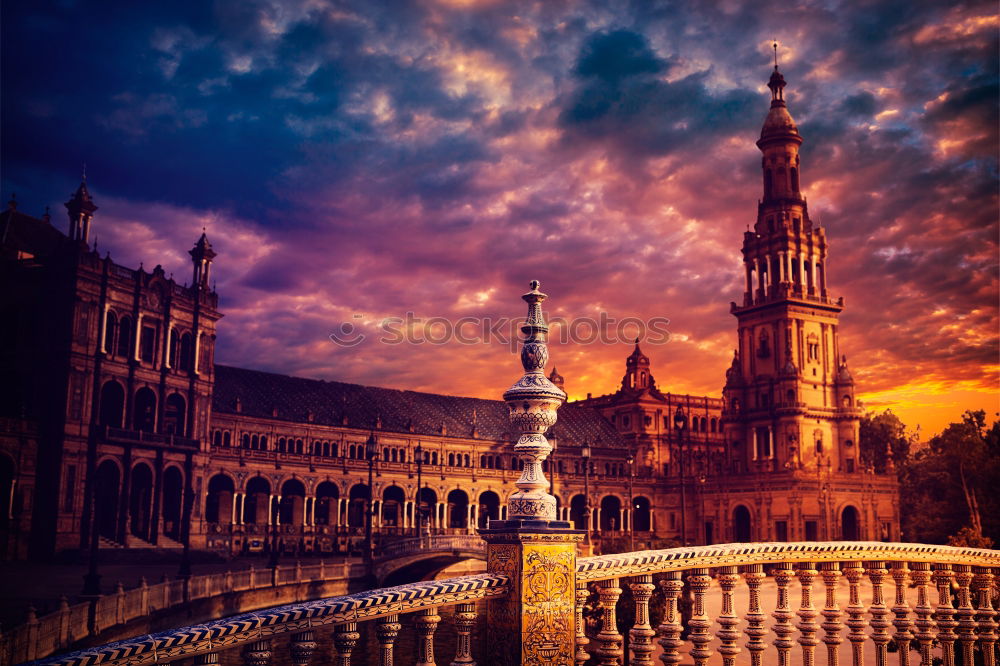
<point x="140" y="506"/>
<point x="120" y="338"/>
<point x="145" y="406"/>
<point x="259" y="503"/>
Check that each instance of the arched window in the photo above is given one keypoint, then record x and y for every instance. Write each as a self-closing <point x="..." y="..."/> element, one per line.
<point x="254" y="442"/>
<point x="110" y="328"/>
<point x="174" y="347"/>
<point x="246" y="440"/>
<point x="175" y="416"/>
<point x="144" y="410"/>
<point x="768" y="183"/>
<point x="112" y="404"/>
<point x="124" y="336"/>
<point x="742" y="527"/>
<point x="227" y="438"/>
<point x="263" y="442"/>
<point x="186" y="352"/>
<point x="795" y="179"/>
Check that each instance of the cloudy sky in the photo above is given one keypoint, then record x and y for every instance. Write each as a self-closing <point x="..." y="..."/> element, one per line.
<point x="358" y="161"/>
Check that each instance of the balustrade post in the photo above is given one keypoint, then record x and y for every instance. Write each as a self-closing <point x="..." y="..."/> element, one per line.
<point x="924" y="635"/>
<point x="345" y="639"/>
<point x="700" y="637"/>
<point x="302" y="647"/>
<point x="386" y="631"/>
<point x="966" y="613"/>
<point x="581" y="655"/>
<point x="944" y="616"/>
<point x="880" y="614"/>
<point x="729" y="634"/>
<point x="534" y="622"/>
<point x="753" y="576"/>
<point x="856" y="613"/>
<point x="901" y="612"/>
<point x="670" y="628"/>
<point x="426" y="623"/>
<point x="782" y="614"/>
<point x="465" y="620"/>
<point x="257" y="653"/>
<point x="641" y="634"/>
<point x="807" y="614"/>
<point x="985" y="615"/>
<point x="204" y="659"/>
<point x="830" y="571"/>
<point x="609" y="641"/>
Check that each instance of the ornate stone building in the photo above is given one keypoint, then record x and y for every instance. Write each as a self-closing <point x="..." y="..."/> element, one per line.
<point x="117" y="429"/>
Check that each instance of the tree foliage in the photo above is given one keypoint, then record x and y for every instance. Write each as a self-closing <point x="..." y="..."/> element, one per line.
<point x="884" y="442"/>
<point x="949" y="488"/>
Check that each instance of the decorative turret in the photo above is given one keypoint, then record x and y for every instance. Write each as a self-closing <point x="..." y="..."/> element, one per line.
<point x="637" y="375"/>
<point x="81" y="210"/>
<point x="557" y="379"/>
<point x="202" y="255"/>
<point x="533" y="402"/>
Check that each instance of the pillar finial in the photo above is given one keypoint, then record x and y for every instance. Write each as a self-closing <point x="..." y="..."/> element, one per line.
<point x="533" y="401"/>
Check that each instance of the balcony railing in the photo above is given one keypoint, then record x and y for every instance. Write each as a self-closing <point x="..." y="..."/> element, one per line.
<point x="142" y="437"/>
<point x="929" y="619"/>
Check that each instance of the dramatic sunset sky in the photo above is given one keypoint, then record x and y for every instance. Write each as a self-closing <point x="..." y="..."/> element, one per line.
<point x="355" y="161"/>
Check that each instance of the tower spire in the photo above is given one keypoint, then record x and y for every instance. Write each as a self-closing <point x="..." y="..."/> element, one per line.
<point x="202" y="255"/>
<point x="80" y="208"/>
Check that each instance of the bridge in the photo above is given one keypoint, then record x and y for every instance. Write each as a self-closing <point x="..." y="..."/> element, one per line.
<point x="925" y="618"/>
<point x="417" y="558"/>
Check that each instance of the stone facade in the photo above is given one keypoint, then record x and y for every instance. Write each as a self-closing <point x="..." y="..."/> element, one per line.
<point x="116" y="416"/>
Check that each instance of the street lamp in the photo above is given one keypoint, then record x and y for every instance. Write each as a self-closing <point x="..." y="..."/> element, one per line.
<point x="680" y="424"/>
<point x="631" y="502"/>
<point x="420" y="509"/>
<point x="585" y="454"/>
<point x="552" y="464"/>
<point x="371" y="453"/>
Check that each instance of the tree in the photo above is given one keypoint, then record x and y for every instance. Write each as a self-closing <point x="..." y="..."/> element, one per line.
<point x="884" y="442"/>
<point x="948" y="488"/>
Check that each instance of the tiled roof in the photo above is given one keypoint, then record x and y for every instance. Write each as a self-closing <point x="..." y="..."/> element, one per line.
<point x="24" y="233"/>
<point x="330" y="403"/>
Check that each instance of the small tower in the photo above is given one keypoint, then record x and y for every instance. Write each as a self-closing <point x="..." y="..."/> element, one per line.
<point x="81" y="210"/>
<point x="202" y="255"/>
<point x="557" y="379"/>
<point x="637" y="376"/>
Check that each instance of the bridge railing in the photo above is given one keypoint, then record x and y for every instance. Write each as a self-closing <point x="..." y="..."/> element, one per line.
<point x="42" y="636"/>
<point x="453" y="542"/>
<point x="252" y="633"/>
<point x="952" y="613"/>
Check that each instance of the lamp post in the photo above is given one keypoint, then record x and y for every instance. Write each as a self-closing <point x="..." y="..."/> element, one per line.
<point x="631" y="502"/>
<point x="371" y="453"/>
<point x="419" y="507"/>
<point x="585" y="454"/>
<point x="552" y="464"/>
<point x="680" y="423"/>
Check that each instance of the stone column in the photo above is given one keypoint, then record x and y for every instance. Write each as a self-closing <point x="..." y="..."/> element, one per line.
<point x="535" y="622"/>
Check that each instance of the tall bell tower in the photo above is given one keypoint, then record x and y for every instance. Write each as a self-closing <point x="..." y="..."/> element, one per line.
<point x="789" y="397"/>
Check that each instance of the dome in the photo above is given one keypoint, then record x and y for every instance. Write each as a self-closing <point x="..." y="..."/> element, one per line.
<point x="778" y="123"/>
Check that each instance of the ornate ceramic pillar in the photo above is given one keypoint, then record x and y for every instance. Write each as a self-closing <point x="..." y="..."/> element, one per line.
<point x="535" y="623"/>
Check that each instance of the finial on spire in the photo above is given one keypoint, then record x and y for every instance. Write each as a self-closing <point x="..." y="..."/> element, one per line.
<point x="83" y="173"/>
<point x="775" y="55"/>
